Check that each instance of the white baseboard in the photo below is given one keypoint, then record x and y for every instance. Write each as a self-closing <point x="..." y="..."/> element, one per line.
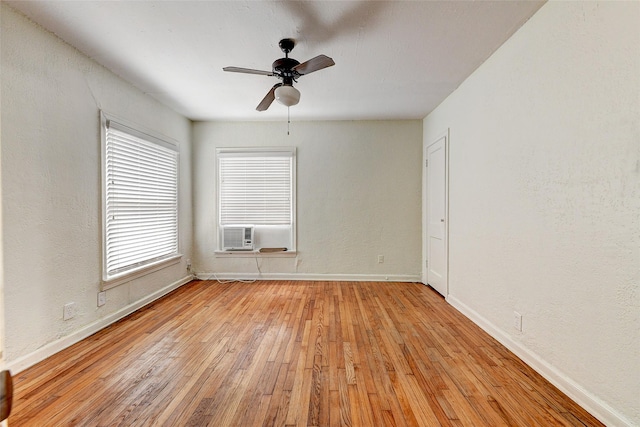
<point x="588" y="401"/>
<point x="312" y="276"/>
<point x="24" y="362"/>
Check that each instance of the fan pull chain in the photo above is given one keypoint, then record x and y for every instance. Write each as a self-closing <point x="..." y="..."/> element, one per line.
<point x="288" y="119"/>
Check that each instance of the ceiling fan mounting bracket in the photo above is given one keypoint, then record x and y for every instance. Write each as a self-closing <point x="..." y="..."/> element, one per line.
<point x="286" y="45"/>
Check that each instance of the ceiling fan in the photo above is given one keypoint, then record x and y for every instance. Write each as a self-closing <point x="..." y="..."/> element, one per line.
<point x="288" y="70"/>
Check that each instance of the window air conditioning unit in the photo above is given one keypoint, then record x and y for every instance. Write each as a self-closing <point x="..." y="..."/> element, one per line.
<point x="237" y="238"/>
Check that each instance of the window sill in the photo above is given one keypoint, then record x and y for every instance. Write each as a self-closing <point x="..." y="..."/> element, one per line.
<point x="254" y="254"/>
<point x="139" y="272"/>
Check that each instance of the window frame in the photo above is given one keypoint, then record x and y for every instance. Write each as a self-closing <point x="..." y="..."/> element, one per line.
<point x="226" y="151"/>
<point x="152" y="264"/>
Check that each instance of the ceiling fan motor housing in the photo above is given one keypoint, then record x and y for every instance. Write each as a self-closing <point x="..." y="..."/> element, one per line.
<point x="283" y="68"/>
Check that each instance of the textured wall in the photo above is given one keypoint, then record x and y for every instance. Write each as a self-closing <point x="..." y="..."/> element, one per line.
<point x="545" y="194"/>
<point x="51" y="96"/>
<point x="358" y="195"/>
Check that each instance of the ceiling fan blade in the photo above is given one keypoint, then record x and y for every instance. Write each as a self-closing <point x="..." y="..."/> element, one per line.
<point x="314" y="64"/>
<point x="268" y="99"/>
<point x="248" y="71"/>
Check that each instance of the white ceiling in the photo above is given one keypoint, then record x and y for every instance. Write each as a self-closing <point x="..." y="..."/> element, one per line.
<point x="394" y="60"/>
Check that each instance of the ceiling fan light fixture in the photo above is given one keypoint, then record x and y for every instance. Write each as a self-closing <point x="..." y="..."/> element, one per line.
<point x="287" y="95"/>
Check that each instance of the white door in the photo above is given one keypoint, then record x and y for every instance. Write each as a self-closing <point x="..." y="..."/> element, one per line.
<point x="436" y="212"/>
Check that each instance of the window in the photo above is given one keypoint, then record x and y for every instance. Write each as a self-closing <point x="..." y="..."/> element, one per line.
<point x="256" y="187"/>
<point x="140" y="201"/>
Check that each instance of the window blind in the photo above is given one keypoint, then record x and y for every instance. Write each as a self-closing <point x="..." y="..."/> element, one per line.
<point x="141" y="200"/>
<point x="255" y="188"/>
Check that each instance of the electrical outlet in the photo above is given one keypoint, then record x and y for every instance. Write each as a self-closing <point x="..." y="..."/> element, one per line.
<point x="69" y="311"/>
<point x="517" y="321"/>
<point x="188" y="264"/>
<point x="380" y="259"/>
<point x="102" y="298"/>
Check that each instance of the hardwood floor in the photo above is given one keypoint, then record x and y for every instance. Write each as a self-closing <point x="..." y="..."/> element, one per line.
<point x="276" y="353"/>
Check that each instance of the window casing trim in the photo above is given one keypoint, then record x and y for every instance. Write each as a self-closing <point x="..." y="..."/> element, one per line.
<point x="109" y="120"/>
<point x="140" y="271"/>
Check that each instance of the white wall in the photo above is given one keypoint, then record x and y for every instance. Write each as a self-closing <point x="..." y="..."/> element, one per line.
<point x="545" y="199"/>
<point x="358" y="196"/>
<point x="51" y="97"/>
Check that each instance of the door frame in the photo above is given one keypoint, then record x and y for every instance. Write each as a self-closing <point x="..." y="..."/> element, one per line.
<point x="2" y="315"/>
<point x="425" y="223"/>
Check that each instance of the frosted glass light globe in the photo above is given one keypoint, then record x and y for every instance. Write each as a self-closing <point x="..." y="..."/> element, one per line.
<point x="287" y="95"/>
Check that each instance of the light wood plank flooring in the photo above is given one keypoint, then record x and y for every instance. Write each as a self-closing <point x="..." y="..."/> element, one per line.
<point x="277" y="353"/>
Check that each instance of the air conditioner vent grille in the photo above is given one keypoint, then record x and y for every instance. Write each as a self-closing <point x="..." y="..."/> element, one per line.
<point x="237" y="238"/>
